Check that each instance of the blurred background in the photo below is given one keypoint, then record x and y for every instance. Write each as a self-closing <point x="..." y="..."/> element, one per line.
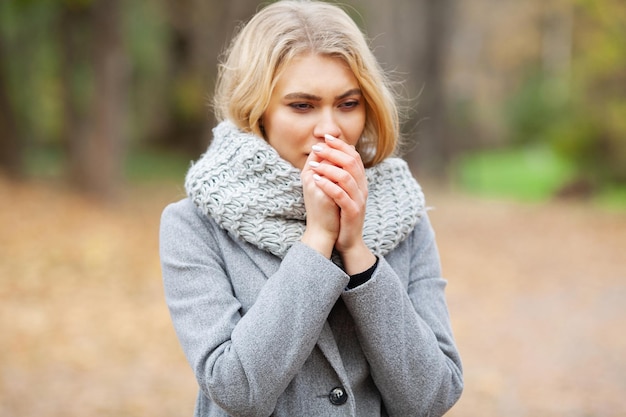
<point x="524" y="98"/>
<point x="515" y="124"/>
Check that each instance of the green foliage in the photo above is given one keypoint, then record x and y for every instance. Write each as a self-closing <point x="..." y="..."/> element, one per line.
<point x="581" y="113"/>
<point x="142" y="164"/>
<point x="612" y="197"/>
<point x="532" y="173"/>
<point x="147" y="33"/>
<point x="33" y="83"/>
<point x="148" y="165"/>
<point x="77" y="4"/>
<point x="599" y="81"/>
<point x="542" y="112"/>
<point x="533" y="111"/>
<point x="44" y="162"/>
<point x="30" y="31"/>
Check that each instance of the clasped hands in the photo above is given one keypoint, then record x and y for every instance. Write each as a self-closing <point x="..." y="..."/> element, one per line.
<point x="335" y="196"/>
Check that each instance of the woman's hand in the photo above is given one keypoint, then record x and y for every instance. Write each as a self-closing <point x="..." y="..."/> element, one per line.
<point x="338" y="171"/>
<point x="322" y="214"/>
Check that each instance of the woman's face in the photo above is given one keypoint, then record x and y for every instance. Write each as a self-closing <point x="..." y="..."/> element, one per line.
<point x="315" y="95"/>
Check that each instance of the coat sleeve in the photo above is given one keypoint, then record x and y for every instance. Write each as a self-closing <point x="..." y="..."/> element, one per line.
<point x="406" y="334"/>
<point x="242" y="362"/>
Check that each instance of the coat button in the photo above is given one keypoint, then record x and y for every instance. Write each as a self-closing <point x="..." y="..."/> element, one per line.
<point x="338" y="396"/>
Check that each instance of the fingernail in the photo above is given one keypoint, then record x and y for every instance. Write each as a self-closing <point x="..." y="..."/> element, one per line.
<point x="316" y="148"/>
<point x="329" y="137"/>
<point x="316" y="177"/>
<point x="314" y="164"/>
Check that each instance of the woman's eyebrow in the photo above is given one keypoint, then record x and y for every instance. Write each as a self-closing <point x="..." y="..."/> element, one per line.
<point x="302" y="96"/>
<point x="353" y="92"/>
<point x="313" y="97"/>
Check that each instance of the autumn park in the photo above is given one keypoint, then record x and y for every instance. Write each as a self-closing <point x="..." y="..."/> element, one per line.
<point x="514" y="124"/>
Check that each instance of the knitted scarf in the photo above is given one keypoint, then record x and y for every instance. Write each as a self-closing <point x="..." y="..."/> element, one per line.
<point x="251" y="192"/>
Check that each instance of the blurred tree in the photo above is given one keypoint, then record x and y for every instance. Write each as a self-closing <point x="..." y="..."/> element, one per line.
<point x="74" y="22"/>
<point x="575" y="100"/>
<point x="199" y="31"/>
<point x="75" y="88"/>
<point x="598" y="101"/>
<point x="410" y="39"/>
<point x="437" y="146"/>
<point x="92" y="42"/>
<point x="10" y="147"/>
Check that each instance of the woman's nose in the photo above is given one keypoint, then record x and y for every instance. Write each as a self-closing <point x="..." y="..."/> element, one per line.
<point x="327" y="125"/>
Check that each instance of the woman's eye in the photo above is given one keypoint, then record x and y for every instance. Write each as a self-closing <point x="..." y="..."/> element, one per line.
<point x="349" y="104"/>
<point x="300" y="106"/>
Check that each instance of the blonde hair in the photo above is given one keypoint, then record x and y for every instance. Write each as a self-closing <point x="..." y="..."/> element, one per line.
<point x="289" y="28"/>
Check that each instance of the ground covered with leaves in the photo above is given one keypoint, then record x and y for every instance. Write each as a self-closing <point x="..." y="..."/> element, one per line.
<point x="537" y="295"/>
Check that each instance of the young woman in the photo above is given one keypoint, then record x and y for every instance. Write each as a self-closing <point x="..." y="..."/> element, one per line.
<point x="301" y="272"/>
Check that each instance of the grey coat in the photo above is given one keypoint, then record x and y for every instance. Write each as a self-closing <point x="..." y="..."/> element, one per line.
<point x="285" y="338"/>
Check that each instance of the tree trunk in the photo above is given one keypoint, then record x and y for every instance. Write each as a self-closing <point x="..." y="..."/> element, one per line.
<point x="10" y="147"/>
<point x="200" y="31"/>
<point x="98" y="139"/>
<point x="433" y="152"/>
<point x="75" y="33"/>
<point x="410" y="39"/>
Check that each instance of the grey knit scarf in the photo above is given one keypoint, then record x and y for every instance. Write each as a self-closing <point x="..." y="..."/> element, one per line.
<point x="250" y="191"/>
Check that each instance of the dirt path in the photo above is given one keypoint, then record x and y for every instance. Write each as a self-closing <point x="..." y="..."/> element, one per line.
<point x="538" y="299"/>
<point x="537" y="296"/>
